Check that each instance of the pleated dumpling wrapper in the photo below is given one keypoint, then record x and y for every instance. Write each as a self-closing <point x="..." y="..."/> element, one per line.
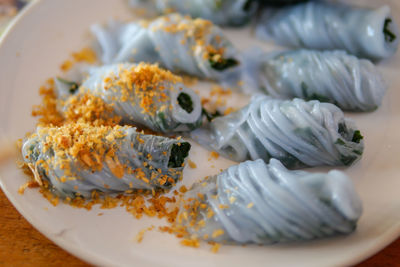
<point x="299" y="133"/>
<point x="224" y="12"/>
<point x="255" y="202"/>
<point x="328" y="76"/>
<point x="77" y="159"/>
<point x="364" y="32"/>
<point x="178" y="43"/>
<point x="141" y="94"/>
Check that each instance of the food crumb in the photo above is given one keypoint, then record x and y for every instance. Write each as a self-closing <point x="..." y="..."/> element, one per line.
<point x="183" y="189"/>
<point x="191" y="243"/>
<point x="220" y="91"/>
<point x="140" y="235"/>
<point x="215" y="248"/>
<point x="85" y="55"/>
<point x="217" y="233"/>
<point x="213" y="155"/>
<point x="250" y="205"/>
<point x="229" y="110"/>
<point x="222" y="206"/>
<point x="189" y="80"/>
<point x="192" y="164"/>
<point x="30" y="184"/>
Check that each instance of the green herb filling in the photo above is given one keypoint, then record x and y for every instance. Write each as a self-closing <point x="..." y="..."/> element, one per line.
<point x="73" y="86"/>
<point x="185" y="101"/>
<point x="178" y="154"/>
<point x="357" y="137"/>
<point x="389" y="35"/>
<point x="222" y="63"/>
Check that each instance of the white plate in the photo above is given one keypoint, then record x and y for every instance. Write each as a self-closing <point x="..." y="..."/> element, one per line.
<point x="32" y="50"/>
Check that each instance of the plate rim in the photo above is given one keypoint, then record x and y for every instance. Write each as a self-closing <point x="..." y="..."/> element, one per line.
<point x="84" y="256"/>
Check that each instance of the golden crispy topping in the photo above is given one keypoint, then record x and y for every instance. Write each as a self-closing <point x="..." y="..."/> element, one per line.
<point x="217" y="233"/>
<point x="140" y="235"/>
<point x="210" y="213"/>
<point x="183" y="189"/>
<point x="213" y="155"/>
<point x="47" y="111"/>
<point x="215" y="248"/>
<point x="29" y="184"/>
<point x="191" y="242"/>
<point x="145" y="84"/>
<point x="222" y="206"/>
<point x="85" y="55"/>
<point x="84" y="143"/>
<point x="198" y="29"/>
<point x="192" y="164"/>
<point x="91" y="109"/>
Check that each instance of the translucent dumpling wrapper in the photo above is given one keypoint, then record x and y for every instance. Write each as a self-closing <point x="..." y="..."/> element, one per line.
<point x="77" y="159"/>
<point x="258" y="203"/>
<point x="330" y="76"/>
<point x="180" y="44"/>
<point x="143" y="95"/>
<point x="364" y="32"/>
<point x="225" y="12"/>
<point x="299" y="133"/>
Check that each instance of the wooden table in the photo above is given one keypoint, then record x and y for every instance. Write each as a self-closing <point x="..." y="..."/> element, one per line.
<point x="21" y="244"/>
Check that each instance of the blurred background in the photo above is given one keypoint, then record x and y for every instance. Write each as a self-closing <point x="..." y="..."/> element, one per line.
<point x="8" y="10"/>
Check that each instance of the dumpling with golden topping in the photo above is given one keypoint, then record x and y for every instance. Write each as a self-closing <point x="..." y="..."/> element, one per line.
<point x="179" y="43"/>
<point x="76" y="159"/>
<point x="142" y="94"/>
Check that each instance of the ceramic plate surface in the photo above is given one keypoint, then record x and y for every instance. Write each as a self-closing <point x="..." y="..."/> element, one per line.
<point x="48" y="31"/>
